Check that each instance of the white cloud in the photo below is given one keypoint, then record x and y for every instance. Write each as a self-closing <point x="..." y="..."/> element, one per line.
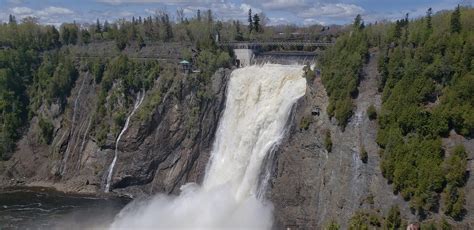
<point x="52" y="10"/>
<point x="171" y="2"/>
<point x="16" y="2"/>
<point x="21" y="10"/>
<point x="283" y="4"/>
<point x="338" y="10"/>
<point x="278" y="21"/>
<point x="312" y="21"/>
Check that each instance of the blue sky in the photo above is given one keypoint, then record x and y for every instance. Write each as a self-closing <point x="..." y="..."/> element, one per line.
<point x="301" y="12"/>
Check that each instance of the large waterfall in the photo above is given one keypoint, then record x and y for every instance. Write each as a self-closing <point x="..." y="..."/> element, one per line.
<point x="258" y="105"/>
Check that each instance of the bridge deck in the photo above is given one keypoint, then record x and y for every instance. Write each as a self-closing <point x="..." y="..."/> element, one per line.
<point x="275" y="43"/>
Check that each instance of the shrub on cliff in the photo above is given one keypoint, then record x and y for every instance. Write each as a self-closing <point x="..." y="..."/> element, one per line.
<point x="372" y="112"/>
<point x="46" y="130"/>
<point x="364" y="156"/>
<point x="328" y="141"/>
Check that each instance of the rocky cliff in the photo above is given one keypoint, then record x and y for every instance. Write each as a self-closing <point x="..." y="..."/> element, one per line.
<point x="309" y="185"/>
<point x="157" y="154"/>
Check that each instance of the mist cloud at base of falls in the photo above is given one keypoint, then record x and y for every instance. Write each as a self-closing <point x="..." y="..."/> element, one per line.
<point x="258" y="106"/>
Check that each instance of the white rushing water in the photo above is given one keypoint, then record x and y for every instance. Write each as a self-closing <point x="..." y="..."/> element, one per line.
<point x="258" y="106"/>
<point x="138" y="102"/>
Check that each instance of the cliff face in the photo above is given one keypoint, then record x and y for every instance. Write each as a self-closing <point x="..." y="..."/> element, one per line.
<point x="154" y="155"/>
<point x="310" y="186"/>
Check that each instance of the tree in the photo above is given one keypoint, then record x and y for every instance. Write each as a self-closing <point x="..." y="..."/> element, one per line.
<point x="106" y="26"/>
<point x="429" y="14"/>
<point x="456" y="20"/>
<point x="372" y="112"/>
<point x="209" y="16"/>
<point x="238" y="33"/>
<point x="256" y="23"/>
<point x="358" y="22"/>
<point x="85" y="36"/>
<point x="198" y="16"/>
<point x="394" y="220"/>
<point x="98" y="27"/>
<point x="11" y="19"/>
<point x="180" y="14"/>
<point x="250" y="26"/>
<point x="140" y="41"/>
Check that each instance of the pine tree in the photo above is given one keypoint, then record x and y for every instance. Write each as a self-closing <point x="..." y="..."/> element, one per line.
<point x="256" y="23"/>
<point x="11" y="19"/>
<point x="429" y="13"/>
<point x="357" y="22"/>
<point x="199" y="15"/>
<point x="250" y="21"/>
<point x="98" y="27"/>
<point x="106" y="26"/>
<point x="209" y="16"/>
<point x="456" y="20"/>
<point x="238" y="33"/>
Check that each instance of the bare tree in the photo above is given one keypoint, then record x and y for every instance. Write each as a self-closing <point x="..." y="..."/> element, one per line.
<point x="180" y="15"/>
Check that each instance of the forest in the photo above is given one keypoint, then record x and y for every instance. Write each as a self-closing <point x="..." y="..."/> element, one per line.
<point x="426" y="81"/>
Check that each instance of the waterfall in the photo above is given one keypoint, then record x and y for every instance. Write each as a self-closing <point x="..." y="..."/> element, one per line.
<point x="258" y="106"/>
<point x="138" y="102"/>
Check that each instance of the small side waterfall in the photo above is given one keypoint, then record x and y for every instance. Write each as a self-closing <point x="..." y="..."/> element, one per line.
<point x="138" y="102"/>
<point x="258" y="106"/>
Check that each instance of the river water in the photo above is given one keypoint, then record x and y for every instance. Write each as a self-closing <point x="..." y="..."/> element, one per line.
<point x="35" y="208"/>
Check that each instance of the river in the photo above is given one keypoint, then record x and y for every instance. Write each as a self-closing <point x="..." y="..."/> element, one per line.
<point x="37" y="208"/>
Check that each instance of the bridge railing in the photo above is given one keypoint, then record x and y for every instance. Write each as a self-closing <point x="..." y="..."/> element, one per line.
<point x="275" y="43"/>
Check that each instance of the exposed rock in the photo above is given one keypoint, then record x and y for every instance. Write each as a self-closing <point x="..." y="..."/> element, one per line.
<point x="154" y="156"/>
<point x="311" y="186"/>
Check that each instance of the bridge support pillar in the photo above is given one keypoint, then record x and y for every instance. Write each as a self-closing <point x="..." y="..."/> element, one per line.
<point x="244" y="57"/>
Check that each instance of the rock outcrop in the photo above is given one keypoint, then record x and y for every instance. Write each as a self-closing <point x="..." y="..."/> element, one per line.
<point x="154" y="155"/>
<point x="310" y="186"/>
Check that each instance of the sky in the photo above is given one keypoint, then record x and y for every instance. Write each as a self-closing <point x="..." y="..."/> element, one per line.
<point x="299" y="12"/>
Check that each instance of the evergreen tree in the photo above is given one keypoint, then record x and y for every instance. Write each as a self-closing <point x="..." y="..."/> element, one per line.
<point x="209" y="16"/>
<point x="98" y="27"/>
<point x="140" y="41"/>
<point x="238" y="32"/>
<point x="456" y="20"/>
<point x="357" y="22"/>
<point x="85" y="36"/>
<point x="429" y="14"/>
<point x="256" y="23"/>
<point x="11" y="19"/>
<point x="106" y="26"/>
<point x="250" y="27"/>
<point x="198" y="15"/>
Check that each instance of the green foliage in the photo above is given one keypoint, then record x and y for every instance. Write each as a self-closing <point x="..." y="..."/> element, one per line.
<point x="333" y="225"/>
<point x="304" y="123"/>
<point x="426" y="85"/>
<point x="328" y="141"/>
<point x="46" y="130"/>
<point x="372" y="112"/>
<point x="364" y="156"/>
<point x="341" y="69"/>
<point x="119" y="118"/>
<point x="444" y="225"/>
<point x="309" y="74"/>
<point x="453" y="195"/>
<point x="456" y="20"/>
<point x="393" y="219"/>
<point x="364" y="220"/>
